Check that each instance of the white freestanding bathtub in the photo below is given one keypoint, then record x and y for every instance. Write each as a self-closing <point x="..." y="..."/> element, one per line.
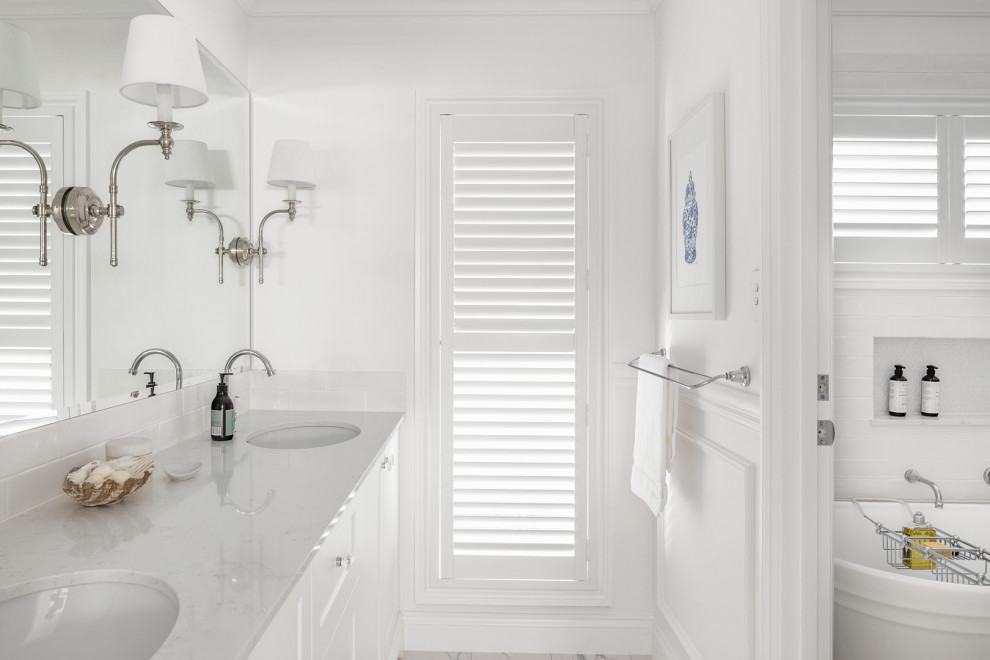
<point x="884" y="613"/>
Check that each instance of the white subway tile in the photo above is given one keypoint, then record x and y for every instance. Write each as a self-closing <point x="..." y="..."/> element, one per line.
<point x="289" y="380"/>
<point x="386" y="401"/>
<point x="868" y="326"/>
<point x="853" y="345"/>
<point x="853" y="387"/>
<point x="858" y="448"/>
<point x="28" y="449"/>
<point x="846" y="488"/>
<point x="31" y="488"/>
<point x="850" y="407"/>
<point x="338" y="400"/>
<point x="270" y="400"/>
<point x="386" y="381"/>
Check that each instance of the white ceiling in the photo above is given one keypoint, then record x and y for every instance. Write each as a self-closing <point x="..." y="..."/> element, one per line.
<point x="429" y="7"/>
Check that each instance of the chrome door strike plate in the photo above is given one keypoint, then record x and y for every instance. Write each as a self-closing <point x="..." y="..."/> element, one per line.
<point x="826" y="433"/>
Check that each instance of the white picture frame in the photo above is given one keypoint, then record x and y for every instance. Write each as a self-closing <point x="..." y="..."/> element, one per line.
<point x="697" y="213"/>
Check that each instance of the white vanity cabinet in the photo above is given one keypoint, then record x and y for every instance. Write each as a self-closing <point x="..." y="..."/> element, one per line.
<point x="345" y="606"/>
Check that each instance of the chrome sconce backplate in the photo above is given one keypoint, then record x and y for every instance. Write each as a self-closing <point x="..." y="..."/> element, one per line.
<point x="241" y="251"/>
<point x="76" y="211"/>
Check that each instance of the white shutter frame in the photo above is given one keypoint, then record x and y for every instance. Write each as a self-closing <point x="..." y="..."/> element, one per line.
<point x="510" y="331"/>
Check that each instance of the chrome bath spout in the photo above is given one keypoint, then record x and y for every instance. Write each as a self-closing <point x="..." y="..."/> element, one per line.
<point x="912" y="476"/>
<point x="158" y="351"/>
<point x="253" y="353"/>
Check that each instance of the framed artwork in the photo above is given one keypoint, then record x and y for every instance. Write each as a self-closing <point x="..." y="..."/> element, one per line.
<point x="697" y="213"/>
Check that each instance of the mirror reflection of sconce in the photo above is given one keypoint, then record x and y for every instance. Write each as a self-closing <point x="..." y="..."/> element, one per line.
<point x="189" y="168"/>
<point x="291" y="168"/>
<point x="19" y="88"/>
<point x="162" y="68"/>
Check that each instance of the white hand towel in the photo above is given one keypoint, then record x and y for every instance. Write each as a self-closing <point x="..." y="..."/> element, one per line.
<point x="656" y="419"/>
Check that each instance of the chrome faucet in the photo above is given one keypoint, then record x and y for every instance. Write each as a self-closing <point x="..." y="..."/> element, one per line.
<point x="158" y="351"/>
<point x="913" y="477"/>
<point x="253" y="353"/>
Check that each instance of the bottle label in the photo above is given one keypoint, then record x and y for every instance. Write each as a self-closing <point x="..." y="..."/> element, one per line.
<point x="930" y="397"/>
<point x="897" y="396"/>
<point x="222" y="423"/>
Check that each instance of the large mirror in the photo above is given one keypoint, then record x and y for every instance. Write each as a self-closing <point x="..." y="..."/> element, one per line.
<point x="70" y="332"/>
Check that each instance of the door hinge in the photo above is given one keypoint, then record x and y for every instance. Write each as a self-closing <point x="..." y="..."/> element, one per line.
<point x="823" y="387"/>
<point x="826" y="433"/>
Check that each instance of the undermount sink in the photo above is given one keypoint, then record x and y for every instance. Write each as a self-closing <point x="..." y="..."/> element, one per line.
<point x="304" y="436"/>
<point x="97" y="617"/>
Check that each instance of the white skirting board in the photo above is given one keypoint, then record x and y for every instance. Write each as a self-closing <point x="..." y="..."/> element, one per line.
<point x="665" y="646"/>
<point x="527" y="633"/>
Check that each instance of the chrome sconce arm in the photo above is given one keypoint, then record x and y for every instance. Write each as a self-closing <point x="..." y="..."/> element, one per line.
<point x="79" y="211"/>
<point x="42" y="210"/>
<point x="242" y="251"/>
<point x="221" y="250"/>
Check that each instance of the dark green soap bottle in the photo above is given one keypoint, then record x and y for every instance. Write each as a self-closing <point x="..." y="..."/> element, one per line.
<point x="222" y="412"/>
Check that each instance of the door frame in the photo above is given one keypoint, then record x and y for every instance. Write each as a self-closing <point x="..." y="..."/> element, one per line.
<point x="797" y="490"/>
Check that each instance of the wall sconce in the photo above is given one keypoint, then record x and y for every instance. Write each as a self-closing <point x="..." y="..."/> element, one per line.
<point x="291" y="168"/>
<point x="161" y="68"/>
<point x="189" y="168"/>
<point x="19" y="88"/>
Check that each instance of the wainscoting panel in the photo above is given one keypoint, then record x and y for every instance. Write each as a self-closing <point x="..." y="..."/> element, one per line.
<point x="707" y="554"/>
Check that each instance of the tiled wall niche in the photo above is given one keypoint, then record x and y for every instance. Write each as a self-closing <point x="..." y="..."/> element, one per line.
<point x="963" y="372"/>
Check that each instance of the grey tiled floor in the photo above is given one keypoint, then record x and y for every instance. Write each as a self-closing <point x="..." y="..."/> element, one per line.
<point x="454" y="655"/>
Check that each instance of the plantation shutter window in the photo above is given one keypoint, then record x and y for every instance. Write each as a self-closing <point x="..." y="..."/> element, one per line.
<point x="27" y="321"/>
<point x="911" y="189"/>
<point x="513" y="335"/>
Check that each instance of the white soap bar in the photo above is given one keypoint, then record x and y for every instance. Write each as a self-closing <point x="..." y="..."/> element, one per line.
<point x="133" y="446"/>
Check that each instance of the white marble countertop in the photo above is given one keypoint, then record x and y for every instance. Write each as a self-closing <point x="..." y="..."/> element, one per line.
<point x="230" y="568"/>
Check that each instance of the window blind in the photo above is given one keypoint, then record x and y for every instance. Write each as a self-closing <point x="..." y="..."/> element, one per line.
<point x="513" y="347"/>
<point x="26" y="315"/>
<point x="885" y="194"/>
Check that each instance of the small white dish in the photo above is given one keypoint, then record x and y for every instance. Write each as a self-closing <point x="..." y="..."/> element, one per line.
<point x="182" y="470"/>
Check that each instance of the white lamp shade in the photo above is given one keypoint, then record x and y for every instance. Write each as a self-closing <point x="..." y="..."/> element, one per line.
<point x="18" y="74"/>
<point x="292" y="165"/>
<point x="189" y="165"/>
<point x="162" y="51"/>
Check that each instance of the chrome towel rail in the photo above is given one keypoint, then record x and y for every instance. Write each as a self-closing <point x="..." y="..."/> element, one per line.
<point x="740" y="375"/>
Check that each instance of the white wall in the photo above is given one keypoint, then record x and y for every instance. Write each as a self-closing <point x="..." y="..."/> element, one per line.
<point x="338" y="290"/>
<point x="713" y="515"/>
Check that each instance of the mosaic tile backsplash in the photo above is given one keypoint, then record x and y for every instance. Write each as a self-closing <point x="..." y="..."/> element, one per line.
<point x="963" y="371"/>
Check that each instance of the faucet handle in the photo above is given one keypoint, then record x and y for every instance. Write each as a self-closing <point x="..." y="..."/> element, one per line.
<point x="986" y="475"/>
<point x="912" y="475"/>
